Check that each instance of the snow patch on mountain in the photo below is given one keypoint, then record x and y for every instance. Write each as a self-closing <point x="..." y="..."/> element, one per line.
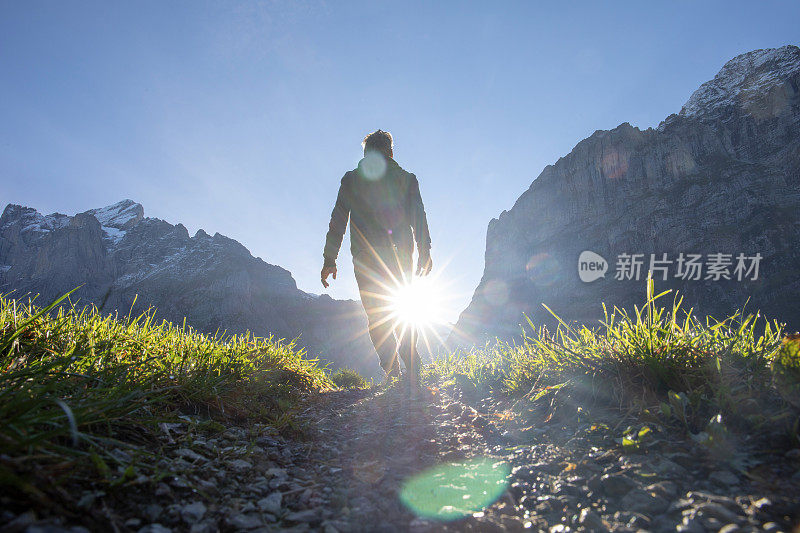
<point x="43" y="224"/>
<point x="122" y="215"/>
<point x="29" y="219"/>
<point x="742" y="79"/>
<point x="57" y="221"/>
<point x="113" y="234"/>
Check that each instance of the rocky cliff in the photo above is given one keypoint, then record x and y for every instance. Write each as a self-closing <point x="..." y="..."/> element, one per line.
<point x="120" y="256"/>
<point x="720" y="177"/>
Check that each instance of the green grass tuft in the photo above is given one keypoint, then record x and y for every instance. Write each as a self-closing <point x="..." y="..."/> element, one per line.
<point x="75" y="384"/>
<point x="739" y="368"/>
<point x="347" y="378"/>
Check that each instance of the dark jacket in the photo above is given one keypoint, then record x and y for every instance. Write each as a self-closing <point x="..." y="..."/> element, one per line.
<point x="383" y="211"/>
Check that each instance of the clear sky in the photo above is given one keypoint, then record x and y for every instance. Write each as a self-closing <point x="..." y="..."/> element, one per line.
<point x="241" y="117"/>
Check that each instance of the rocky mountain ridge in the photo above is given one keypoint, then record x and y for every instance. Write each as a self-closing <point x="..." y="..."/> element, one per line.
<point x="720" y="177"/>
<point x="127" y="261"/>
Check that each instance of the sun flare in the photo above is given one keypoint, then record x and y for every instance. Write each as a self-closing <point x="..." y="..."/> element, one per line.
<point x="418" y="303"/>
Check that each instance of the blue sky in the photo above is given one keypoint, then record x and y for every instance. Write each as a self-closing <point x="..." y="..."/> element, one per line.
<point x="241" y="117"/>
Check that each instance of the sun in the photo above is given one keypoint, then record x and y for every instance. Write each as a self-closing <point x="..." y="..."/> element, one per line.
<point x="418" y="303"/>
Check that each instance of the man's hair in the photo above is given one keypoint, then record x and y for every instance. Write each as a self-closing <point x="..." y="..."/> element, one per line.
<point x="380" y="141"/>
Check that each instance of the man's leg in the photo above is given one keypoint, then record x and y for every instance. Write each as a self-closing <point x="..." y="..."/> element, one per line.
<point x="409" y="354"/>
<point x="408" y="335"/>
<point x="382" y="335"/>
<point x="376" y="306"/>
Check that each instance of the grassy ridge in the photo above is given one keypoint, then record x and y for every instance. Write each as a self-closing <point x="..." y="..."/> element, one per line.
<point x="75" y="384"/>
<point x="76" y="387"/>
<point x="660" y="362"/>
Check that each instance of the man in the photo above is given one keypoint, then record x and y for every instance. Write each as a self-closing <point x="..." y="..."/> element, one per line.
<point x="384" y="206"/>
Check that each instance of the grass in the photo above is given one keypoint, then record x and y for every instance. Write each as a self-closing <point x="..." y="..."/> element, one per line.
<point x="347" y="378"/>
<point x="75" y="384"/>
<point x="660" y="362"/>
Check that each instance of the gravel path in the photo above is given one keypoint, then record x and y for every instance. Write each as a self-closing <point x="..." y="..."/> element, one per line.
<point x="560" y="477"/>
<point x="361" y="453"/>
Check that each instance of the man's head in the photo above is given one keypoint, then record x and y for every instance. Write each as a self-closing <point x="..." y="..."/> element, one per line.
<point x="379" y="141"/>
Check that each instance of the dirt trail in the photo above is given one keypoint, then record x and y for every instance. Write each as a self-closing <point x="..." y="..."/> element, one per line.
<point x="368" y="445"/>
<point x="361" y="454"/>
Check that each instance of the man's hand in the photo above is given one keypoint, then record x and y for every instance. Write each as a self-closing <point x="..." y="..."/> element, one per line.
<point x="327" y="271"/>
<point x="424" y="263"/>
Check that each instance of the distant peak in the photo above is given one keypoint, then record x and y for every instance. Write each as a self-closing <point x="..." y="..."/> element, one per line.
<point x="13" y="210"/>
<point x="743" y="79"/>
<point x="121" y="215"/>
<point x="14" y="213"/>
<point x="32" y="220"/>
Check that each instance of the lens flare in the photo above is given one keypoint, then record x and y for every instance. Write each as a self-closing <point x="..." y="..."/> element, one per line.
<point x="615" y="163"/>
<point x="451" y="491"/>
<point x="543" y="269"/>
<point x="373" y="166"/>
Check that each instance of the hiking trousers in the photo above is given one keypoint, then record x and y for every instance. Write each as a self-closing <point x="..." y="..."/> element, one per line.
<point x="379" y="272"/>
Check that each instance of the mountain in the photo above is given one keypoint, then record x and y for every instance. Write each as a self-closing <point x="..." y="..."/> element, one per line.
<point x="720" y="177"/>
<point x="122" y="257"/>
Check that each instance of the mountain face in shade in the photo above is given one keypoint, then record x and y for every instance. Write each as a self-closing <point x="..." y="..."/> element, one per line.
<point x="120" y="256"/>
<point x="720" y="177"/>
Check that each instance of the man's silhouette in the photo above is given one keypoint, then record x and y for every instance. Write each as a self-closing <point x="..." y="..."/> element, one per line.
<point x="384" y="206"/>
